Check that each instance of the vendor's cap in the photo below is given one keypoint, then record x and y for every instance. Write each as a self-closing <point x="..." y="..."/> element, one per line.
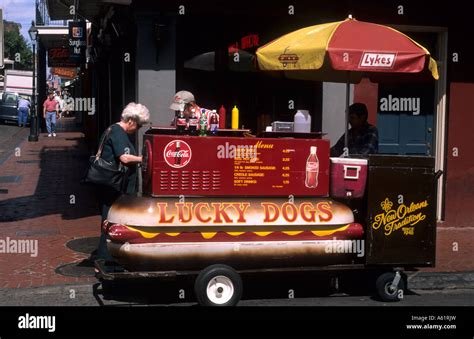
<point x="180" y="99"/>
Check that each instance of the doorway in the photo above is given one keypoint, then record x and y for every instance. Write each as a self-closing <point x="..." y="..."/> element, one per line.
<point x="436" y="40"/>
<point x="405" y="119"/>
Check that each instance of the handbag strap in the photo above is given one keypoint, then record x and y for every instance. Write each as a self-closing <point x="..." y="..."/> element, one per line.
<point x="104" y="139"/>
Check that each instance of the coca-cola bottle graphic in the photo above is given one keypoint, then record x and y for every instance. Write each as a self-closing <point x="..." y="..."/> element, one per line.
<point x="177" y="157"/>
<point x="312" y="168"/>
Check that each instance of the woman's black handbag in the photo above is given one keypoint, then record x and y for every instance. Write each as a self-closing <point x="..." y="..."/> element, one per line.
<point x="102" y="172"/>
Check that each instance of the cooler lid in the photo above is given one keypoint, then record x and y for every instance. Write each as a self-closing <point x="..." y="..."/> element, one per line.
<point x="352" y="161"/>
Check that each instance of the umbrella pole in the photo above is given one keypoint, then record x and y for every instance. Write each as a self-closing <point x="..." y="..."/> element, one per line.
<point x="346" y="134"/>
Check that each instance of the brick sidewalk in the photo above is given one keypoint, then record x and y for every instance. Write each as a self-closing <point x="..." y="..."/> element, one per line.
<point x="40" y="206"/>
<point x="454" y="249"/>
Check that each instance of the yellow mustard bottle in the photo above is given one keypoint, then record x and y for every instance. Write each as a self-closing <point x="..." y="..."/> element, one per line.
<point x="235" y="117"/>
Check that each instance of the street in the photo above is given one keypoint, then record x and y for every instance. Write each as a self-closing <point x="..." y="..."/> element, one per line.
<point x="168" y="295"/>
<point x="75" y="302"/>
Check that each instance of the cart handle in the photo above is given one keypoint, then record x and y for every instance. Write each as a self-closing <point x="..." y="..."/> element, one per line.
<point x="351" y="167"/>
<point x="438" y="174"/>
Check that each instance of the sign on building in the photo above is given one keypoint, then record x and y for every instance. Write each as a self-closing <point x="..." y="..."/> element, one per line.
<point x="61" y="57"/>
<point x="64" y="72"/>
<point x="77" y="41"/>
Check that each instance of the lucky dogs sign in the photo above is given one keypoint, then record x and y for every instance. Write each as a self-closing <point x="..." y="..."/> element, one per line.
<point x="170" y="212"/>
<point x="236" y="212"/>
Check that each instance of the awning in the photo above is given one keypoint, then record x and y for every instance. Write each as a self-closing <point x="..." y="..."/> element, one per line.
<point x="87" y="9"/>
<point x="53" y="36"/>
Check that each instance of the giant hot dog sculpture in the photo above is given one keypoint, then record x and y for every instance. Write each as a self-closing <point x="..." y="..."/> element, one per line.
<point x="170" y="234"/>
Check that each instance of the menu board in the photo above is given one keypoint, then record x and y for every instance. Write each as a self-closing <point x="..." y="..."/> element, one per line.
<point x="256" y="169"/>
<point x="223" y="166"/>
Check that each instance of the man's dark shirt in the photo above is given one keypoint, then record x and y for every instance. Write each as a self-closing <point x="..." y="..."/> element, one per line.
<point x="364" y="141"/>
<point x="116" y="145"/>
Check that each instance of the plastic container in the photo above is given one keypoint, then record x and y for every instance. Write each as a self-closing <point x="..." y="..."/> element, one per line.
<point x="282" y="126"/>
<point x="235" y="117"/>
<point x="222" y="117"/>
<point x="213" y="122"/>
<point x="302" y="121"/>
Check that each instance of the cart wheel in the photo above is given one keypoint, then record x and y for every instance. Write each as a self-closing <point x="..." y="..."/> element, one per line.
<point x="218" y="285"/>
<point x="385" y="289"/>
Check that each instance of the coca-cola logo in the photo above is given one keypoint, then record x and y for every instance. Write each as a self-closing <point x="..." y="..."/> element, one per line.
<point x="58" y="53"/>
<point x="177" y="153"/>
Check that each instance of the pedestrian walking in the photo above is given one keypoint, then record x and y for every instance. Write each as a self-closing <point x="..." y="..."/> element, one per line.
<point x="51" y="113"/>
<point x="23" y="109"/>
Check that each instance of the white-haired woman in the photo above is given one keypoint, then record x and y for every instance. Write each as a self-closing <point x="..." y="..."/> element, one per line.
<point x="119" y="148"/>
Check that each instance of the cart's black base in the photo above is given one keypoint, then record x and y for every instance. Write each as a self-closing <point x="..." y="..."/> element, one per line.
<point x="388" y="283"/>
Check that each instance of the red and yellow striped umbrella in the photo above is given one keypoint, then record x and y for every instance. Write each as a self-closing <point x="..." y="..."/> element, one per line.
<point x="335" y="48"/>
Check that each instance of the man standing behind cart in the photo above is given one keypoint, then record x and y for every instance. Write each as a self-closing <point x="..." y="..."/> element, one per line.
<point x="363" y="137"/>
<point x="184" y="101"/>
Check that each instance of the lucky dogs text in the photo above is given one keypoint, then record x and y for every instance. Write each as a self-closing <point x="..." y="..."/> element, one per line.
<point x="236" y="212"/>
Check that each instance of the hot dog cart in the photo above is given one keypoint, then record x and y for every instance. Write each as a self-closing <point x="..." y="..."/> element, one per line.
<point x="223" y="205"/>
<point x="218" y="206"/>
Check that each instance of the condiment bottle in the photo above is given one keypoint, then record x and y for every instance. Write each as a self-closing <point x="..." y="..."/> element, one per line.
<point x="222" y="116"/>
<point x="235" y="117"/>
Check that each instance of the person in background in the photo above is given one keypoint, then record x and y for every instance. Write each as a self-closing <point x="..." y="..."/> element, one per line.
<point x="23" y="109"/>
<point x="67" y="107"/>
<point x="59" y="98"/>
<point x="118" y="148"/>
<point x="51" y="113"/>
<point x="184" y="101"/>
<point x="363" y="137"/>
